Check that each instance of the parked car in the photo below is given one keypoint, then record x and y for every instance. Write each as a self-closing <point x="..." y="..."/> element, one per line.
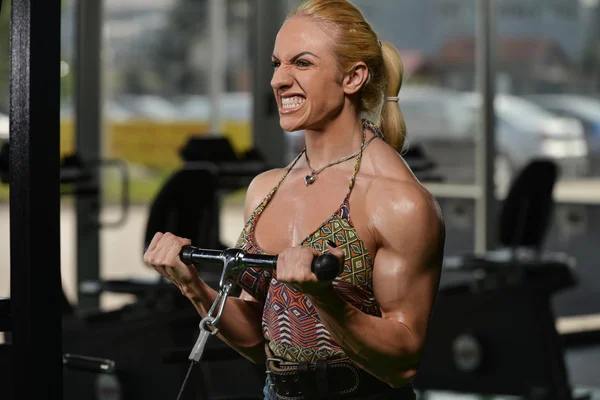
<point x="437" y="121"/>
<point x="3" y="129"/>
<point x="583" y="108"/>
<point x="525" y="131"/>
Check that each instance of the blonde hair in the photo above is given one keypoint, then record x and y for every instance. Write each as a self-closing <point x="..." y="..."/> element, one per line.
<point x="354" y="40"/>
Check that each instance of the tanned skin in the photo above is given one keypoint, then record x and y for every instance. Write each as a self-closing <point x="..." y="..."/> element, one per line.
<point x="396" y="217"/>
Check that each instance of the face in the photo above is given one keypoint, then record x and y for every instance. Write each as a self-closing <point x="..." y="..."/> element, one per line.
<point x="307" y="83"/>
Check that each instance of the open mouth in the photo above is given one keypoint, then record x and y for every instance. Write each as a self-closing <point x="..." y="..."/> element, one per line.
<point x="291" y="104"/>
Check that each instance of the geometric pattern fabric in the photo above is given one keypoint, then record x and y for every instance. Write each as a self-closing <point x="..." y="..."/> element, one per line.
<point x="290" y="323"/>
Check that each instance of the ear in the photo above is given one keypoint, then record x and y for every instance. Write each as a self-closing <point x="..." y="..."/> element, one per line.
<point x="356" y="78"/>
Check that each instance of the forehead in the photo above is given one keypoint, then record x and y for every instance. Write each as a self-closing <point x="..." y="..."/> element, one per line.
<point x="300" y="34"/>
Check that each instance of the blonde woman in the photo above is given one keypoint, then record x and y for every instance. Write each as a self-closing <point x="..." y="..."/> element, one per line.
<point x="348" y="193"/>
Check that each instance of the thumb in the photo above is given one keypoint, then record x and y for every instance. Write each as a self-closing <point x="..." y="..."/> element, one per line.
<point x="333" y="249"/>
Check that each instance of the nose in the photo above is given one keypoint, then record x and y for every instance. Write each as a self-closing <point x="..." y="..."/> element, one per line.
<point x="281" y="79"/>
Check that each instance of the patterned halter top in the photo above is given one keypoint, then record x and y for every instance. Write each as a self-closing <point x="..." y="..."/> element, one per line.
<point x="290" y="323"/>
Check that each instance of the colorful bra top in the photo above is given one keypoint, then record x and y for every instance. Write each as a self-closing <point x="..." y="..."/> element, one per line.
<point x="290" y="323"/>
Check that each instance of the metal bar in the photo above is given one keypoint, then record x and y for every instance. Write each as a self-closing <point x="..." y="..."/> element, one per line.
<point x="35" y="199"/>
<point x="485" y="215"/>
<point x="218" y="56"/>
<point x="259" y="261"/>
<point x="88" y="129"/>
<point x="269" y="138"/>
<point x="575" y="192"/>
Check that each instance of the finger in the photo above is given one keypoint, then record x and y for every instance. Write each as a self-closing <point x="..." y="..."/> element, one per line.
<point x="281" y="267"/>
<point x="336" y="251"/>
<point x="308" y="274"/>
<point x="155" y="239"/>
<point x="172" y="258"/>
<point x="315" y="252"/>
<point x="177" y="240"/>
<point x="151" y="247"/>
<point x="159" y="255"/>
<point x="168" y="241"/>
<point x="184" y="242"/>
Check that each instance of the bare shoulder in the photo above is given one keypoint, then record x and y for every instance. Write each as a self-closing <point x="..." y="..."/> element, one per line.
<point x="399" y="204"/>
<point x="260" y="187"/>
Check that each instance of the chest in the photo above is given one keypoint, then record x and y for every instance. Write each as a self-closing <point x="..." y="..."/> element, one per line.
<point x="297" y="211"/>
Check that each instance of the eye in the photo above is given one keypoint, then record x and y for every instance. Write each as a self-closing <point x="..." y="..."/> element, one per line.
<point x="303" y="63"/>
<point x="275" y="63"/>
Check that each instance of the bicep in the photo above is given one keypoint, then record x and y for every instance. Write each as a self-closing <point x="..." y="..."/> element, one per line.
<point x="405" y="289"/>
<point x="408" y="264"/>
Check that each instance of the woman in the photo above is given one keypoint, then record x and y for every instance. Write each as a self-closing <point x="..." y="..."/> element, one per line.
<point x="349" y="193"/>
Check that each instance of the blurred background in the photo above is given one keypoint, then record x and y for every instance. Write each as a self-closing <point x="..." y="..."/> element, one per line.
<point x="168" y="80"/>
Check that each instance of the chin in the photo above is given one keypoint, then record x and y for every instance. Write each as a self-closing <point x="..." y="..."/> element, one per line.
<point x="290" y="124"/>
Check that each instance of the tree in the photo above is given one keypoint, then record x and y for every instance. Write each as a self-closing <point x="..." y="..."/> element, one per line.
<point x="172" y="55"/>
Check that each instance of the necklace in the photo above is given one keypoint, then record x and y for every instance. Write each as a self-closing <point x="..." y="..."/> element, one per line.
<point x="310" y="179"/>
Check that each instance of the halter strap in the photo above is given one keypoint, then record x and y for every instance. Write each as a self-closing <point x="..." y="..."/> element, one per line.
<point x="356" y="165"/>
<point x="367" y="125"/>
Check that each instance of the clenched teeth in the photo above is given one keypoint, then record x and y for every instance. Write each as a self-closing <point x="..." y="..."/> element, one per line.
<point x="291" y="102"/>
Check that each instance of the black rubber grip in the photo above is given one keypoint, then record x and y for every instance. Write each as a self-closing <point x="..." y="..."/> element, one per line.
<point x="326" y="267"/>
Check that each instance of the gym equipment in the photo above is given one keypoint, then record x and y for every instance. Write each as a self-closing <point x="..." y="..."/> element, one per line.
<point x="325" y="267"/>
<point x="76" y="179"/>
<point x="71" y="362"/>
<point x="421" y="164"/>
<point x="160" y="318"/>
<point x="492" y="330"/>
<point x="188" y="204"/>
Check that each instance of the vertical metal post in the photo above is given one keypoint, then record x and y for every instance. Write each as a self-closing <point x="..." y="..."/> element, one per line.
<point x="218" y="25"/>
<point x="269" y="139"/>
<point x="485" y="214"/>
<point x="88" y="138"/>
<point x="34" y="158"/>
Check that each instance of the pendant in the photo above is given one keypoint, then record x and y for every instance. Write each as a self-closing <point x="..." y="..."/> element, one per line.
<point x="309" y="179"/>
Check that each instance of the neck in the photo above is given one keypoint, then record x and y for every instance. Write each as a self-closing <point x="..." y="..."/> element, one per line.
<point x="338" y="138"/>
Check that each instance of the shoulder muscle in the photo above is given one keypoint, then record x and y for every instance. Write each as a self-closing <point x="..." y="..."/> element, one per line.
<point x="259" y="188"/>
<point x="406" y="213"/>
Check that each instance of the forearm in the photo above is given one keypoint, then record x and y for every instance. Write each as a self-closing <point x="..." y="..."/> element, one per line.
<point x="240" y="322"/>
<point x="384" y="348"/>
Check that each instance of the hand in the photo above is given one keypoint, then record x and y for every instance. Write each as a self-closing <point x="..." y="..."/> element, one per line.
<point x="294" y="269"/>
<point x="163" y="255"/>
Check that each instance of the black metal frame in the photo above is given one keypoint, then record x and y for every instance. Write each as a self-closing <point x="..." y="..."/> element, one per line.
<point x="88" y="124"/>
<point x="35" y="198"/>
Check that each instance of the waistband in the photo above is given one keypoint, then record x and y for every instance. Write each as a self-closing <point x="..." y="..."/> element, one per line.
<point x="331" y="379"/>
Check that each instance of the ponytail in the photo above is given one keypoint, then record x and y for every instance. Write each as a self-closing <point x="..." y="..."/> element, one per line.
<point x="391" y="121"/>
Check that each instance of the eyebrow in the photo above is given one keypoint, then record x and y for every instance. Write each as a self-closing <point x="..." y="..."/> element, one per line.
<point x="297" y="56"/>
